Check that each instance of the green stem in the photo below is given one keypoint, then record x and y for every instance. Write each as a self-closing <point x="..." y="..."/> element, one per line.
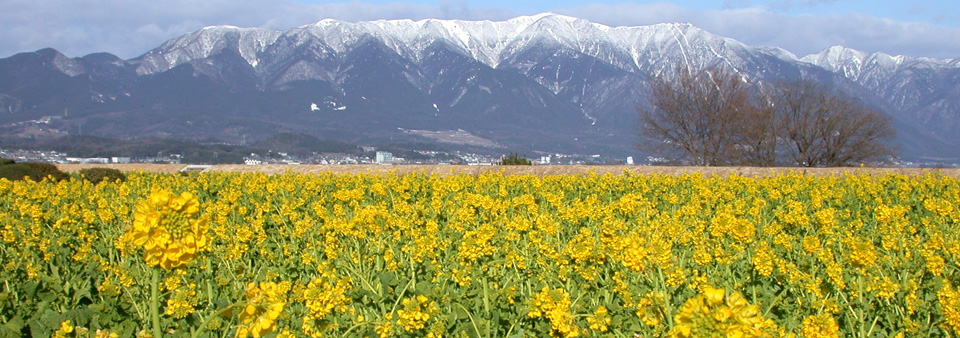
<point x="209" y="286"/>
<point x="155" y="303"/>
<point x="666" y="296"/>
<point x="486" y="305"/>
<point x="347" y="333"/>
<point x="203" y="325"/>
<point x="134" y="301"/>
<point x="474" y="323"/>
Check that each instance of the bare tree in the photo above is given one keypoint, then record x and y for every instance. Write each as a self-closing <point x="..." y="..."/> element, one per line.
<point x="758" y="136"/>
<point x="698" y="116"/>
<point x="824" y="128"/>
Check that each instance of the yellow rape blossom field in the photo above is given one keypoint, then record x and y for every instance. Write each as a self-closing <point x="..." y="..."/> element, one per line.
<point x="489" y="255"/>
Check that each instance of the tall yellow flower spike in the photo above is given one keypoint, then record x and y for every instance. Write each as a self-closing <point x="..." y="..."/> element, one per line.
<point x="168" y="228"/>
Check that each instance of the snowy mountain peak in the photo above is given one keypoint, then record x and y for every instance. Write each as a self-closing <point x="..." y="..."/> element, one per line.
<point x="836" y="58"/>
<point x="529" y="19"/>
<point x="552" y="74"/>
<point x="631" y="48"/>
<point x="248" y="42"/>
<point x="221" y="28"/>
<point x="851" y="63"/>
<point x="489" y="42"/>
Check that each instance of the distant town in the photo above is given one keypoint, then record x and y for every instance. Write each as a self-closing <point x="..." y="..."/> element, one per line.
<point x="379" y="157"/>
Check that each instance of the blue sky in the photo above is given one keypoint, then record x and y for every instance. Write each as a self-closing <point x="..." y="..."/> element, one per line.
<point x="936" y="12"/>
<point x="129" y="28"/>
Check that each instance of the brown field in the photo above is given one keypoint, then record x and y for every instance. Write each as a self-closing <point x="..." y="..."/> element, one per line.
<point x="543" y="170"/>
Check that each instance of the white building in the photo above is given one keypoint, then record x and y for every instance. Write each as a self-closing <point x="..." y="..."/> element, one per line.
<point x="384" y="157"/>
<point x="85" y="160"/>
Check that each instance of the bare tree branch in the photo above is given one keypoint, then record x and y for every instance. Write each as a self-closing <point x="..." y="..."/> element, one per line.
<point x="823" y="128"/>
<point x="698" y="117"/>
<point x="713" y="117"/>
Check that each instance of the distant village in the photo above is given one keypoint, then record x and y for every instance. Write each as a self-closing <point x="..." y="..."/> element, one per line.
<point x="274" y="157"/>
<point x="380" y="157"/>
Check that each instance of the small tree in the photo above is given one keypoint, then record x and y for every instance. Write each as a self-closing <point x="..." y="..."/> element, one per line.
<point x="34" y="171"/>
<point x="47" y="170"/>
<point x="97" y="175"/>
<point x="714" y="117"/>
<point x="819" y="127"/>
<point x="700" y="116"/>
<point x="514" y="159"/>
<point x="17" y="172"/>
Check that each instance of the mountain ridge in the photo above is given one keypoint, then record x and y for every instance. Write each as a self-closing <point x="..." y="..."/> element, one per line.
<point x="572" y="82"/>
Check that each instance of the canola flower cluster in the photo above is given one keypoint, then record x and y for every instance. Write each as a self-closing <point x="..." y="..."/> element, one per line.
<point x="555" y="306"/>
<point x="715" y="314"/>
<point x="265" y="302"/>
<point x="384" y="255"/>
<point x="168" y="229"/>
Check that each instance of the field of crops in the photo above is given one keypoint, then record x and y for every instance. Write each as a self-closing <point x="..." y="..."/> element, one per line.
<point x="416" y="255"/>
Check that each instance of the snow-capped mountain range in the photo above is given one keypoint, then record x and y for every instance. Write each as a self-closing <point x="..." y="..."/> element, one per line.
<point x="545" y="82"/>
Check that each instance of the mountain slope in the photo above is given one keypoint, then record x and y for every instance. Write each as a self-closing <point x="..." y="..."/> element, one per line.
<point x="545" y="82"/>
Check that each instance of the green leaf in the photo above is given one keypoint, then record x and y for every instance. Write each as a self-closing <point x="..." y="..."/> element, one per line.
<point x="12" y="327"/>
<point x="30" y="288"/>
<point x="425" y="288"/>
<point x="460" y="313"/>
<point x="388" y="278"/>
<point x="47" y="295"/>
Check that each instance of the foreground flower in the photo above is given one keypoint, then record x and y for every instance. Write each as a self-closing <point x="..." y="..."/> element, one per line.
<point x="949" y="301"/>
<point x="415" y="313"/>
<point x="820" y="326"/>
<point x="264" y="304"/>
<point x="168" y="228"/>
<point x="555" y="306"/>
<point x="715" y="314"/>
<point x="66" y="327"/>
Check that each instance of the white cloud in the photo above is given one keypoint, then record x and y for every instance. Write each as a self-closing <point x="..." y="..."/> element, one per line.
<point x="129" y="28"/>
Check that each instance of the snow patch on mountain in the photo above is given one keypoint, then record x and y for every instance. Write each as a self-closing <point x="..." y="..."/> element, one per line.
<point x="489" y="42"/>
<point x="68" y="66"/>
<point x="248" y="42"/>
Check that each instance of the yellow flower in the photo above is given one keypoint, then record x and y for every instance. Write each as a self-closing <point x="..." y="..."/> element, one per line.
<point x="323" y="297"/>
<point x="385" y="329"/>
<point x="178" y="308"/>
<point x="820" y="326"/>
<point x="811" y="244"/>
<point x="415" y="313"/>
<point x="650" y="308"/>
<point x="714" y="313"/>
<point x="168" y="229"/>
<point x="862" y="253"/>
<point x="66" y="327"/>
<point x="949" y="301"/>
<point x="763" y="260"/>
<point x="264" y="304"/>
<point x="599" y="320"/>
<point x="555" y="306"/>
<point x="713" y="296"/>
<point x="106" y="334"/>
